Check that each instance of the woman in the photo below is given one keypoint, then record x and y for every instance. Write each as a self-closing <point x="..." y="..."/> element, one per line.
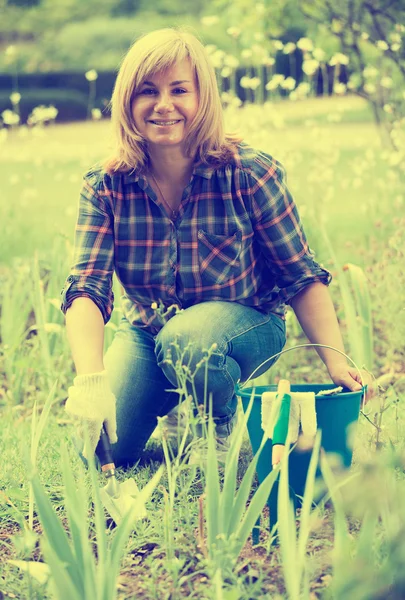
<point x="190" y="218"/>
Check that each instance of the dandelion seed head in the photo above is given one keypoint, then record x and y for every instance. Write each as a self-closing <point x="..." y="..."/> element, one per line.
<point x="91" y="75"/>
<point x="209" y="20"/>
<point x="305" y="44"/>
<point x="382" y="44"/>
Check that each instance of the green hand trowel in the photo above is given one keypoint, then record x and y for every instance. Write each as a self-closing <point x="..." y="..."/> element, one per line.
<point x="281" y="427"/>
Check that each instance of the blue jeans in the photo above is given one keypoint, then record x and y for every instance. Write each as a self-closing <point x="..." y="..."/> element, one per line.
<point x="141" y="371"/>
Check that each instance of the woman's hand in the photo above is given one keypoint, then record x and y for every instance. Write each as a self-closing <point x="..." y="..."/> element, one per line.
<point x="349" y="377"/>
<point x="92" y="403"/>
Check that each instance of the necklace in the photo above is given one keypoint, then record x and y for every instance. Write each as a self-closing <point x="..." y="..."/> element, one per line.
<point x="172" y="211"/>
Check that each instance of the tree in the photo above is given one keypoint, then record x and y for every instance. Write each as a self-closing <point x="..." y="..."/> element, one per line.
<point x="371" y="34"/>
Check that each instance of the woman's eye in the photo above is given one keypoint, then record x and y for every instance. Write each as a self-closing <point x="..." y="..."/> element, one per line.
<point x="179" y="91"/>
<point x="148" y="91"/>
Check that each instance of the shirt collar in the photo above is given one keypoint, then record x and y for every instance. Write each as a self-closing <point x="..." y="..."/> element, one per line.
<point x="138" y="176"/>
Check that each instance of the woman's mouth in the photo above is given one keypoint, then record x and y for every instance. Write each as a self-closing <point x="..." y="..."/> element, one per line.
<point x="165" y="123"/>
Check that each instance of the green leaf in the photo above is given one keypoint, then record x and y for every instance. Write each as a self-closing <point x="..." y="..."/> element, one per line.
<point x="38" y="570"/>
<point x="239" y="505"/>
<point x="255" y="508"/>
<point x="212" y="488"/>
<point x="61" y="582"/>
<point x="57" y="538"/>
<point x="307" y="505"/>
<point x="287" y="530"/>
<point x="77" y="513"/>
<point x="125" y="527"/>
<point x="231" y="469"/>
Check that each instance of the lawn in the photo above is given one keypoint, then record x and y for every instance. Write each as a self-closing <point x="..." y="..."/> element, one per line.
<point x="349" y="192"/>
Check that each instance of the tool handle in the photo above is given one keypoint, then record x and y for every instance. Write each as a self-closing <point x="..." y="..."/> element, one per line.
<point x="103" y="451"/>
<point x="281" y="427"/>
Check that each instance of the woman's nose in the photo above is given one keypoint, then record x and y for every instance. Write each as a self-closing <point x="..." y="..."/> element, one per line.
<point x="163" y="103"/>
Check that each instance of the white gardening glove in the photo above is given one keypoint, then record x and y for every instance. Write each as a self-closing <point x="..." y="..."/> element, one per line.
<point x="92" y="401"/>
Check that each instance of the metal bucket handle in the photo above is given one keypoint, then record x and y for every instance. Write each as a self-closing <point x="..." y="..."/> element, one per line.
<point x="306" y="346"/>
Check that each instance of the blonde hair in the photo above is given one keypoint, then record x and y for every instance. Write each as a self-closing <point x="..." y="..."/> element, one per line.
<point x="153" y="52"/>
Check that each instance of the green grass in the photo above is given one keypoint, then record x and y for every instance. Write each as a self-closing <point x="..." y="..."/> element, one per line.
<point x="340" y="175"/>
<point x="41" y="175"/>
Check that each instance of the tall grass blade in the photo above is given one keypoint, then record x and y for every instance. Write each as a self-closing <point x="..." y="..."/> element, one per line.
<point x="58" y="541"/>
<point x="212" y="488"/>
<point x="61" y="583"/>
<point x="231" y="470"/>
<point x="307" y="505"/>
<point x="353" y="330"/>
<point x="287" y="530"/>
<point x="255" y="508"/>
<point x="360" y="289"/>
<point x="40" y="312"/>
<point x="77" y="514"/>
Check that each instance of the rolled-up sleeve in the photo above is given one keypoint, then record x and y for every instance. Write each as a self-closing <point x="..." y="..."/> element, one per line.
<point x="279" y="231"/>
<point x="93" y="262"/>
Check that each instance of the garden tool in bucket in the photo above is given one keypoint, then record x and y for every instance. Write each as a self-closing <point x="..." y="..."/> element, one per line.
<point x="116" y="497"/>
<point x="335" y="415"/>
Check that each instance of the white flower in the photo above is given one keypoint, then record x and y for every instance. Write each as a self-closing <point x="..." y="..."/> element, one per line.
<point x="339" y="59"/>
<point x="365" y="36"/>
<point x="268" y="61"/>
<point x="254" y="83"/>
<point x="226" y="72"/>
<point x="319" y="54"/>
<point x="260" y="8"/>
<point x="246" y="53"/>
<point x="236" y="102"/>
<point x="395" y="38"/>
<point x="289" y="48"/>
<point x="217" y="58"/>
<point x="274" y="82"/>
<point x="233" y="32"/>
<point x="278" y="45"/>
<point x="387" y="108"/>
<point x="41" y="114"/>
<point x="381" y="44"/>
<point x="339" y="88"/>
<point x="208" y="21"/>
<point x="15" y="98"/>
<point x="303" y="89"/>
<point x="369" y="88"/>
<point x="305" y="44"/>
<point x="288" y="83"/>
<point x="210" y="48"/>
<point x="96" y="114"/>
<point x="10" y="118"/>
<point x="259" y="36"/>
<point x="386" y="82"/>
<point x="354" y="81"/>
<point x="231" y="61"/>
<point x="244" y="82"/>
<point x="91" y="75"/>
<point x="370" y="72"/>
<point x="11" y="50"/>
<point x="395" y="47"/>
<point x="310" y="66"/>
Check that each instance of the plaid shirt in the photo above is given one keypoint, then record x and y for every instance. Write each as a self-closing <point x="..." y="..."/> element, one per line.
<point x="237" y="238"/>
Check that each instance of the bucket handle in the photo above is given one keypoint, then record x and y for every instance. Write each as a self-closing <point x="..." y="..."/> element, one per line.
<point x="305" y="346"/>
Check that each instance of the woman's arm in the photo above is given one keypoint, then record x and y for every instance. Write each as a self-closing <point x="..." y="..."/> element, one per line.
<point x="85" y="332"/>
<point x="317" y="317"/>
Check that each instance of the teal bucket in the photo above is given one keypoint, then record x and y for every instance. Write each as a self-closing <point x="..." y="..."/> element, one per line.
<point x="334" y="416"/>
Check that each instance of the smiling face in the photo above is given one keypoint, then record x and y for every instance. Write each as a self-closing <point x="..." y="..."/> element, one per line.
<point x="165" y="105"/>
